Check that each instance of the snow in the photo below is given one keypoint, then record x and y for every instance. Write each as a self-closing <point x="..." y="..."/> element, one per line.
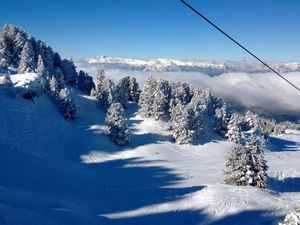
<point x="59" y="172"/>
<point x="209" y="67"/>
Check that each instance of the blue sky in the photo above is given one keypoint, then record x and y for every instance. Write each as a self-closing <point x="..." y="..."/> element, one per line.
<point x="160" y="28"/>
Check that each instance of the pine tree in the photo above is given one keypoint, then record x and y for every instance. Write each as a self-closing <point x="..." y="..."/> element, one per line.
<point x="134" y="94"/>
<point x="250" y="121"/>
<point x="100" y="80"/>
<point x="27" y="61"/>
<point x="181" y="124"/>
<point x="161" y="103"/>
<point x="234" y="133"/>
<point x="181" y="92"/>
<point x="53" y="88"/>
<point x="107" y="95"/>
<point x="221" y="120"/>
<point x="66" y="105"/>
<point x="246" y="165"/>
<point x="293" y="218"/>
<point x="123" y="91"/>
<point x="85" y="82"/>
<point x="146" y="98"/>
<point x="118" y="128"/>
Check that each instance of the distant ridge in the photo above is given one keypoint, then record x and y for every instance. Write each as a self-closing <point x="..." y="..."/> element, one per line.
<point x="212" y="68"/>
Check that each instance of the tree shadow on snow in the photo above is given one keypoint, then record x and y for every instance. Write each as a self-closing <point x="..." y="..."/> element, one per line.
<point x="277" y="145"/>
<point x="290" y="184"/>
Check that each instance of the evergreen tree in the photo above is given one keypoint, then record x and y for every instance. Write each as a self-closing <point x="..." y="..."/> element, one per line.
<point x="123" y="91"/>
<point x="181" y="92"/>
<point x="221" y="120"/>
<point x="85" y="82"/>
<point x="53" y="88"/>
<point x="181" y="124"/>
<point x="234" y="133"/>
<point x="27" y="61"/>
<point x="118" y="128"/>
<point x="187" y="122"/>
<point x="107" y="95"/>
<point x="161" y="102"/>
<point x="250" y="121"/>
<point x="246" y="165"/>
<point x="100" y="80"/>
<point x="134" y="94"/>
<point x="41" y="68"/>
<point x="293" y="218"/>
<point x="147" y="97"/>
<point x="66" y="105"/>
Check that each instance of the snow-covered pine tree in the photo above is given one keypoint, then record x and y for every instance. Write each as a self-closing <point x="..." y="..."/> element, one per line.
<point x="234" y="133"/>
<point x="198" y="107"/>
<point x="123" y="91"/>
<point x="135" y="91"/>
<point x="27" y="62"/>
<point x="246" y="164"/>
<point x="237" y="171"/>
<point x="204" y="98"/>
<point x="66" y="105"/>
<point x="293" y="218"/>
<point x="147" y="97"/>
<point x="107" y="95"/>
<point x="100" y="80"/>
<point x="53" y="88"/>
<point x="118" y="129"/>
<point x="12" y="41"/>
<point x="221" y="120"/>
<point x="85" y="82"/>
<point x="161" y="103"/>
<point x="253" y="147"/>
<point x="187" y="121"/>
<point x="250" y="121"/>
<point x="181" y="124"/>
<point x="181" y="92"/>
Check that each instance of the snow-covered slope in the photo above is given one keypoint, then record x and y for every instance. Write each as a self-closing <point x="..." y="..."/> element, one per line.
<point x="59" y="172"/>
<point x="211" y="68"/>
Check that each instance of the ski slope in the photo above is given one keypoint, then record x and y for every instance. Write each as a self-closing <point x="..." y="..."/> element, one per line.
<point x="59" y="172"/>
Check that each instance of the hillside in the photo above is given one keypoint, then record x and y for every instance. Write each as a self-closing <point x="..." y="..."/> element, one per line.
<point x="60" y="172"/>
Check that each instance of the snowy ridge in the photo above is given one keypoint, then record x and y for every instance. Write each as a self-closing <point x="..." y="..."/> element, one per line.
<point x="212" y="68"/>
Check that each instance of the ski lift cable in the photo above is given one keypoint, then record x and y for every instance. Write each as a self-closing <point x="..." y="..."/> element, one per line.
<point x="240" y="45"/>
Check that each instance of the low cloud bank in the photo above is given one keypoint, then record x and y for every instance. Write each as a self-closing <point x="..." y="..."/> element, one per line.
<point x="264" y="92"/>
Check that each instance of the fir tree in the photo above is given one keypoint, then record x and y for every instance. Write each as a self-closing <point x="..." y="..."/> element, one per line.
<point x="134" y="94"/>
<point x="85" y="82"/>
<point x="118" y="129"/>
<point x="221" y="120"/>
<point x="234" y="133"/>
<point x="181" y="124"/>
<point x="147" y="97"/>
<point x="66" y="105"/>
<point x="161" y="103"/>
<point x="123" y="91"/>
<point x="107" y="95"/>
<point x="246" y="165"/>
<point x="100" y="80"/>
<point x="27" y="61"/>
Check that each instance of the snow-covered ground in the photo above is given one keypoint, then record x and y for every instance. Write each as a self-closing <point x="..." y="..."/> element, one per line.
<point x="59" y="172"/>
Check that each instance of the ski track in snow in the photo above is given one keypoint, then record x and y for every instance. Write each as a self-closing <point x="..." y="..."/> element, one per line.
<point x="59" y="172"/>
